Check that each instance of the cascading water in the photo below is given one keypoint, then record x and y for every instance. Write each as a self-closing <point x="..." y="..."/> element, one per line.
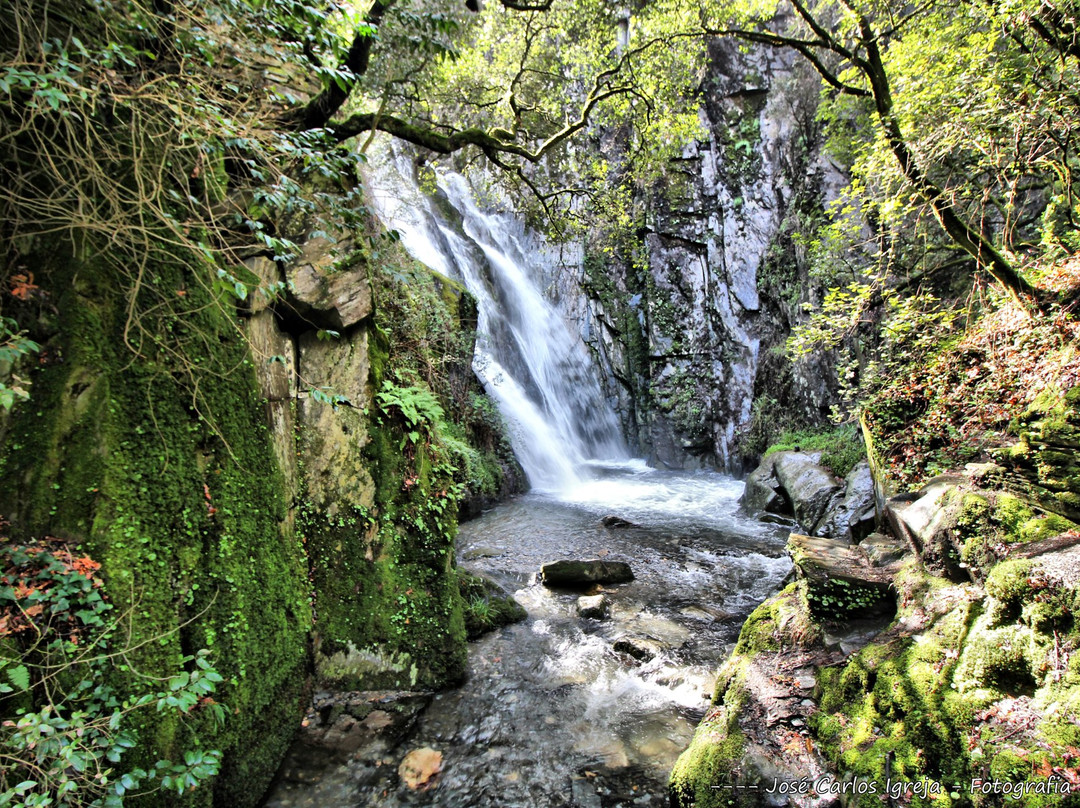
<point x="561" y="710"/>
<point x="538" y="372"/>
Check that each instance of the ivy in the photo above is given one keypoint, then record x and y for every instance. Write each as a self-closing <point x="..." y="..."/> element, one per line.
<point x="65" y="741"/>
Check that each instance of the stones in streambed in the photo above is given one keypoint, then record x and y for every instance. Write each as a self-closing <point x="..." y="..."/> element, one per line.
<point x="594" y="607"/>
<point x="356" y="725"/>
<point x="487" y="605"/>
<point x="616" y="522"/>
<point x="642" y="649"/>
<point x="580" y="574"/>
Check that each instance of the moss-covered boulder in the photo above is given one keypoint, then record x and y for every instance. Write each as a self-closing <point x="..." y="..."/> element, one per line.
<point x="1045" y="458"/>
<point x="487" y="605"/>
<point x="755" y="733"/>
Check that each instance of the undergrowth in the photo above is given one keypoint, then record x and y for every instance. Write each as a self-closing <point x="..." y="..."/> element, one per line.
<point x="841" y="448"/>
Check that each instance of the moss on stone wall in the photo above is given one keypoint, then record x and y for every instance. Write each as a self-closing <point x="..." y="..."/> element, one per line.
<point x="388" y="609"/>
<point x="157" y="462"/>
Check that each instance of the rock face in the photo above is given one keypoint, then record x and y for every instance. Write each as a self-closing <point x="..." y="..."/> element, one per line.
<point x="579" y="574"/>
<point x="795" y="484"/>
<point x="683" y="337"/>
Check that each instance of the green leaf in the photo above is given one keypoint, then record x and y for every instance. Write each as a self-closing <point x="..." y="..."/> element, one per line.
<point x="19" y="676"/>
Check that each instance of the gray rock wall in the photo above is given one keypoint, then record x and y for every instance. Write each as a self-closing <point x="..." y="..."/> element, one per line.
<point x="690" y="337"/>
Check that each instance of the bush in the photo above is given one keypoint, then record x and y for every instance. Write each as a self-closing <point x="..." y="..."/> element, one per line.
<point x="66" y="729"/>
<point x="841" y="448"/>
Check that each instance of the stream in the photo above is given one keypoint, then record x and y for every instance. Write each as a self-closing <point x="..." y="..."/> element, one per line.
<point x="560" y="710"/>
<point x="551" y="714"/>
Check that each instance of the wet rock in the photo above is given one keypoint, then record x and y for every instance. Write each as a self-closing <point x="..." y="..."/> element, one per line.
<point x="763" y="493"/>
<point x="811" y="487"/>
<point x="640" y="648"/>
<point x="616" y="522"/>
<point x="575" y="574"/>
<point x="593" y="606"/>
<point x="487" y="605"/>
<point x="360" y="726"/>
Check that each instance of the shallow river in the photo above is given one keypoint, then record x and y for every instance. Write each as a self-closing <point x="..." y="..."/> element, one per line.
<point x="551" y="714"/>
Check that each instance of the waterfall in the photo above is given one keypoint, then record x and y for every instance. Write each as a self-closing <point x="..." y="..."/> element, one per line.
<point x="528" y="358"/>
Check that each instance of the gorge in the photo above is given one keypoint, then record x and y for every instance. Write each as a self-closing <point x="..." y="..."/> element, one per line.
<point x="325" y="327"/>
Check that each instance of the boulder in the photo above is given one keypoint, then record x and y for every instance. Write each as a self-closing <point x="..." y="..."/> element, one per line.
<point x="487" y="605"/>
<point x="616" y="522"/>
<point x="593" y="606"/>
<point x="811" y="487"/>
<point x="762" y="493"/>
<point x="640" y="648"/>
<point x="851" y="517"/>
<point x="575" y="574"/>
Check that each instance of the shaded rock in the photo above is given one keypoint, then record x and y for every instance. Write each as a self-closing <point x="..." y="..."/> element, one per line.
<point x="763" y="493"/>
<point x="641" y="648"/>
<point x="487" y="605"/>
<point x="593" y="606"/>
<point x="853" y="516"/>
<point x="810" y="487"/>
<point x="358" y="725"/>
<point x="573" y="574"/>
<point x="616" y="522"/>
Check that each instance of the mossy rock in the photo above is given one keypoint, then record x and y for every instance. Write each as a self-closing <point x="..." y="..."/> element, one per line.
<point x="487" y="605"/>
<point x="783" y="621"/>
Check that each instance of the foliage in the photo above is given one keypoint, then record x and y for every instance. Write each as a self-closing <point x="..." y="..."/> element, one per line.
<point x="68" y="729"/>
<point x="941" y="406"/>
<point x="14" y="345"/>
<point x="837" y="598"/>
<point x="841" y="448"/>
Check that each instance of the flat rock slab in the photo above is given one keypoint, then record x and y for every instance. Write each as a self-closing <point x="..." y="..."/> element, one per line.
<point x="576" y="574"/>
<point x="819" y="560"/>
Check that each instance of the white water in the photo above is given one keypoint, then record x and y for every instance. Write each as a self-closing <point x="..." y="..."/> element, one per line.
<point x="527" y="357"/>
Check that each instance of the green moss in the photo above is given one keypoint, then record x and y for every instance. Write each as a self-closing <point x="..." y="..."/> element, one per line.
<point x="703" y="775"/>
<point x="783" y="621"/>
<point x="175" y="490"/>
<point x="841" y="448"/>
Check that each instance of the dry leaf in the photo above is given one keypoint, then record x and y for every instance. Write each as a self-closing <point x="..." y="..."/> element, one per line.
<point x="420" y="768"/>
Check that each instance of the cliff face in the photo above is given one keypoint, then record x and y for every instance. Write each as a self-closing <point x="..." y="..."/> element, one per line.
<point x="276" y="480"/>
<point x="688" y="321"/>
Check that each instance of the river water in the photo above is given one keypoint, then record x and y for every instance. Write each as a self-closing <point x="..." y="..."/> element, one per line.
<point x="551" y="714"/>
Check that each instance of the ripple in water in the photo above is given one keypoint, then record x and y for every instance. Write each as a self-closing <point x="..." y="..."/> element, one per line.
<point x="551" y="714"/>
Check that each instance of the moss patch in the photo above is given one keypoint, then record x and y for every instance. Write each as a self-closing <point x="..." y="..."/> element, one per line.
<point x="160" y="465"/>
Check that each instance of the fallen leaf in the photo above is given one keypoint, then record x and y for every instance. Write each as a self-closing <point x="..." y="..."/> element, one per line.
<point x="420" y="768"/>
